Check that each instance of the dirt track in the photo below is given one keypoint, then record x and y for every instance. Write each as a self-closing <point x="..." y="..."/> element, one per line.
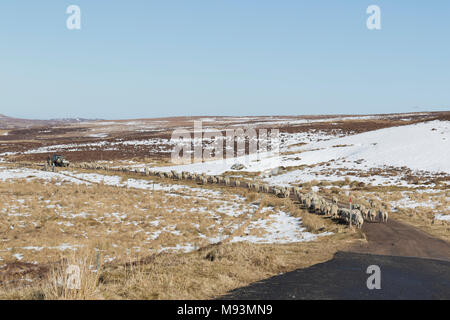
<point x="399" y="239"/>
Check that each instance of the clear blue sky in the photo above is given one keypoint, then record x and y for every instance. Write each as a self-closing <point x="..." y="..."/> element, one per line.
<point x="150" y="58"/>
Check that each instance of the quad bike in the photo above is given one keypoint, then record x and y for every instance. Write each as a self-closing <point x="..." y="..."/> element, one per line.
<point x="58" y="161"/>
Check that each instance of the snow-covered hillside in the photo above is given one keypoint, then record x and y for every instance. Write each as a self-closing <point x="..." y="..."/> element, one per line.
<point x="423" y="147"/>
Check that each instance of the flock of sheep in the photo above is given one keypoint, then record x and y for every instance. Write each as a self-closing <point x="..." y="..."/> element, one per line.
<point x="311" y="201"/>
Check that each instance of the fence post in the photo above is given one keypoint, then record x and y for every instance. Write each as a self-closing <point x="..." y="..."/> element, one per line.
<point x="98" y="261"/>
<point x="350" y="205"/>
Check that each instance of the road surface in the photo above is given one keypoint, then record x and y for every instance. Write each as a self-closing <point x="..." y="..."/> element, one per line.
<point x="413" y="265"/>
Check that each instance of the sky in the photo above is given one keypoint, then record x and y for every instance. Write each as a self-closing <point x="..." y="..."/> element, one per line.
<point x="142" y="59"/>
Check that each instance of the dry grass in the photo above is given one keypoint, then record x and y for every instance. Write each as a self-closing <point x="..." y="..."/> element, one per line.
<point x="115" y="219"/>
<point x="38" y="218"/>
<point x="75" y="278"/>
<point x="202" y="274"/>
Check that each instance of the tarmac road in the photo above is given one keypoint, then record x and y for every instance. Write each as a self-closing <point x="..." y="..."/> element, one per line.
<point x="345" y="277"/>
<point x="413" y="265"/>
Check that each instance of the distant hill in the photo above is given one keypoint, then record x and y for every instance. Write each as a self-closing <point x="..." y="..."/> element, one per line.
<point x="16" y="123"/>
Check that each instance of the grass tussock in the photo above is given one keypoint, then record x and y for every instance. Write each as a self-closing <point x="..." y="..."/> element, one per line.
<point x="202" y="274"/>
<point x="74" y="278"/>
<point x="58" y="225"/>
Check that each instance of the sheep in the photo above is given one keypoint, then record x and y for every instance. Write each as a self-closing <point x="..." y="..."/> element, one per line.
<point x="315" y="205"/>
<point x="298" y="195"/>
<point x="301" y="197"/>
<point x="382" y="215"/>
<point x="277" y="191"/>
<point x="323" y="208"/>
<point x="292" y="190"/>
<point x="374" y="204"/>
<point x="365" y="213"/>
<point x="344" y="214"/>
<point x="334" y="211"/>
<point x="237" y="183"/>
<point x="175" y="175"/>
<point x="327" y="209"/>
<point x="335" y="200"/>
<point x="308" y="202"/>
<point x="372" y="214"/>
<point x="356" y="218"/>
<point x="266" y="188"/>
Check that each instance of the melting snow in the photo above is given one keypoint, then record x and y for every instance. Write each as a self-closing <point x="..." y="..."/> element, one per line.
<point x="279" y="228"/>
<point x="442" y="217"/>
